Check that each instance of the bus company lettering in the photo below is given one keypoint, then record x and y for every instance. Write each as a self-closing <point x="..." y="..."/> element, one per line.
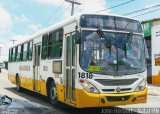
<point x="45" y="68"/>
<point x="156" y="55"/>
<point x="24" y="68"/>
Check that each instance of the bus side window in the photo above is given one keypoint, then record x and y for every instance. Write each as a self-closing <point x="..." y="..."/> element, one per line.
<point x="61" y="40"/>
<point x="29" y="54"/>
<point x="18" y="53"/>
<point x="51" y="41"/>
<point x="21" y="56"/>
<point x="9" y="58"/>
<point x="25" y="52"/>
<point x="13" y="54"/>
<point x="55" y="44"/>
<point x="44" y="46"/>
<point x="16" y="58"/>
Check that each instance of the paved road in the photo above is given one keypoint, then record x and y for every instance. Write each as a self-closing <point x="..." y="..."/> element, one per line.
<point x="29" y="102"/>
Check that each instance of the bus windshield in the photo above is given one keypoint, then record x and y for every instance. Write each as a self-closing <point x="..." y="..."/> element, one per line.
<point x="110" y="22"/>
<point x="124" y="55"/>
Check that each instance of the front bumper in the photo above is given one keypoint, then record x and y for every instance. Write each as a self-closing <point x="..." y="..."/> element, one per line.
<point x="85" y="99"/>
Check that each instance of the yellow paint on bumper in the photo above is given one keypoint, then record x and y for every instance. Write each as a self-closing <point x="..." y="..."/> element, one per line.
<point x="85" y="99"/>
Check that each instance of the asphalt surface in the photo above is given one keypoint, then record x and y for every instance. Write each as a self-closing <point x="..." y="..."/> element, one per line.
<point x="27" y="102"/>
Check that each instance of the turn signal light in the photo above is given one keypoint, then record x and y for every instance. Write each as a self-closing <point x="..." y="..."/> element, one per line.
<point x="142" y="97"/>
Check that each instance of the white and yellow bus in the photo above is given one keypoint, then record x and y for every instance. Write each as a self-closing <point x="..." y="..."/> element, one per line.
<point x="87" y="60"/>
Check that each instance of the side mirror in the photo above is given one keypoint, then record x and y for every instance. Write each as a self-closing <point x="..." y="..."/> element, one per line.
<point x="78" y="37"/>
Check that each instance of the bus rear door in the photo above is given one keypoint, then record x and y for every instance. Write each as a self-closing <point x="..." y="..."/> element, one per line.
<point x="36" y="68"/>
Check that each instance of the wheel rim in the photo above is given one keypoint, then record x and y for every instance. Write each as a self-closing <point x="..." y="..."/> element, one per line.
<point x="53" y="94"/>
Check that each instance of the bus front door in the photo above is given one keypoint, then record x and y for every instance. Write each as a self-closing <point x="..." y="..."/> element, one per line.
<point x="36" y="67"/>
<point x="70" y="68"/>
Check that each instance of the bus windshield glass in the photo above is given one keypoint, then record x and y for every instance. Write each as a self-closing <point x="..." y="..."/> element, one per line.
<point x="110" y="22"/>
<point x="124" y="55"/>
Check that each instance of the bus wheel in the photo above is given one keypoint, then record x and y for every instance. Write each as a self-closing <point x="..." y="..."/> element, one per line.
<point x="18" y="87"/>
<point x="53" y="94"/>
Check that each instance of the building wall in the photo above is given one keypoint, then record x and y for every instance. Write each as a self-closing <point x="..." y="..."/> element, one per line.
<point x="147" y="28"/>
<point x="155" y="23"/>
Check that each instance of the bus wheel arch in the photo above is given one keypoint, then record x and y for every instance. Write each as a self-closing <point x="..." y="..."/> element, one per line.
<point x="52" y="91"/>
<point x="18" y="87"/>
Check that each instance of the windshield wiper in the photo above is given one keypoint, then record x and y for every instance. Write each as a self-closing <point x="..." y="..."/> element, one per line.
<point x="102" y="37"/>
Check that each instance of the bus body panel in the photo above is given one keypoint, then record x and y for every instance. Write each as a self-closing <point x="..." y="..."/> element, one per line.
<point x="85" y="99"/>
<point x="34" y="76"/>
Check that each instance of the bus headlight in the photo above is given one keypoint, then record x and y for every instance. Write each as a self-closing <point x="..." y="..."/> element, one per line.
<point x="141" y="86"/>
<point x="89" y="87"/>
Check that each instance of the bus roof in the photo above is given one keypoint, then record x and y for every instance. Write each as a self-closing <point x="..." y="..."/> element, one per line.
<point x="60" y="24"/>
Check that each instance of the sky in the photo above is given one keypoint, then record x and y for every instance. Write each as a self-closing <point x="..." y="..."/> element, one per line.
<point x="21" y="18"/>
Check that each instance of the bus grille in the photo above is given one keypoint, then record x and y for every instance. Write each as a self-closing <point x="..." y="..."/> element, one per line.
<point x="118" y="82"/>
<point x="113" y="90"/>
<point x="117" y="98"/>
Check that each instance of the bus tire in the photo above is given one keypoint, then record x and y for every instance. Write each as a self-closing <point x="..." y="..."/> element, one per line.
<point x="18" y="87"/>
<point x="53" y="93"/>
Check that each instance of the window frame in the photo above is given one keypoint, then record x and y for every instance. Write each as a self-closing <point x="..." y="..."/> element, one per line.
<point x="58" y="40"/>
<point x="29" y="50"/>
<point x="13" y="54"/>
<point x="44" y="55"/>
<point x="25" y="51"/>
<point x="18" y="53"/>
<point x="49" y="40"/>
